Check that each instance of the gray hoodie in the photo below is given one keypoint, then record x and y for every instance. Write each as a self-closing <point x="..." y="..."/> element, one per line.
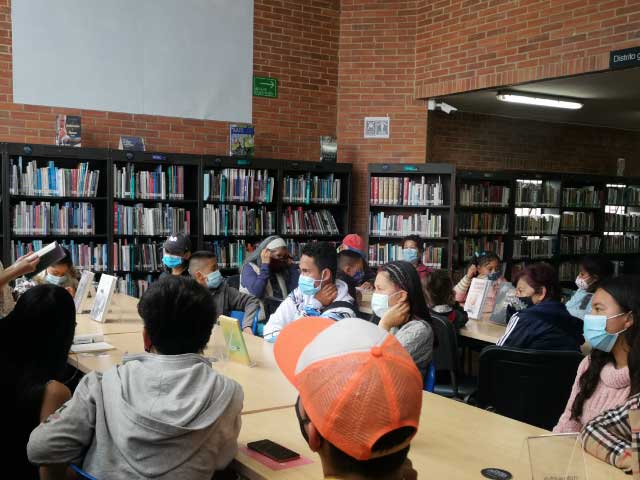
<point x="154" y="416"/>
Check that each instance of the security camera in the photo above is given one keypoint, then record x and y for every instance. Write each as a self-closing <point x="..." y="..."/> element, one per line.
<point x="440" y="105"/>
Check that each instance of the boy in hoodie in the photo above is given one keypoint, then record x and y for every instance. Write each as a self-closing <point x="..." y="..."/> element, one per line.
<point x="164" y="414"/>
<point x="319" y="293"/>
<point x="203" y="266"/>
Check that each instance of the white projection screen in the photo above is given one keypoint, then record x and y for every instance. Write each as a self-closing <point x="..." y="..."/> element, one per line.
<point x="179" y="58"/>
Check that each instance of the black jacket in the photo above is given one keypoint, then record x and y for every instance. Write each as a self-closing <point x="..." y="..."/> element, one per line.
<point x="545" y="326"/>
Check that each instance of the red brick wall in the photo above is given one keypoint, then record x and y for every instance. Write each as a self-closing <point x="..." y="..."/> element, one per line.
<point x="483" y="142"/>
<point x="296" y="42"/>
<point x="376" y="78"/>
<point x="472" y="44"/>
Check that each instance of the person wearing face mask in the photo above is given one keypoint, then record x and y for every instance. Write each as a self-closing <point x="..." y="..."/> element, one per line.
<point x="176" y="253"/>
<point x="412" y="253"/>
<point x="593" y="270"/>
<point x="61" y="274"/>
<point x="545" y="323"/>
<point x="353" y="268"/>
<point x="319" y="292"/>
<point x="203" y="267"/>
<point x="484" y="265"/>
<point x="399" y="307"/>
<point x="269" y="272"/>
<point x="603" y="378"/>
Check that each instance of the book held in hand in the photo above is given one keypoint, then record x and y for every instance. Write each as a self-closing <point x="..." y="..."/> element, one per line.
<point x="49" y="255"/>
<point x="476" y="297"/>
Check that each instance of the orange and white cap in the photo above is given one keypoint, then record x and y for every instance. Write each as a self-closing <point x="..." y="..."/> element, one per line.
<point x="356" y="382"/>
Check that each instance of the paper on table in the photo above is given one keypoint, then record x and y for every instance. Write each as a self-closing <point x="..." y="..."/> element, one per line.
<point x="92" y="347"/>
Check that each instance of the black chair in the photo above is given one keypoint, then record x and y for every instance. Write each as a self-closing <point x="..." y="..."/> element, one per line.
<point x="234" y="281"/>
<point x="271" y="304"/>
<point x="527" y="385"/>
<point x="446" y="358"/>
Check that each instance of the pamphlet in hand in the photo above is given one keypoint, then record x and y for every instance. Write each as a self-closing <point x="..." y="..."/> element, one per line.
<point x="49" y="255"/>
<point x="476" y="297"/>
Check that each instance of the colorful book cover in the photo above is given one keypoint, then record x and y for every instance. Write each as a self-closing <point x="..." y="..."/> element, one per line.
<point x="241" y="140"/>
<point x="69" y="130"/>
<point x="134" y="144"/>
<point x="328" y="149"/>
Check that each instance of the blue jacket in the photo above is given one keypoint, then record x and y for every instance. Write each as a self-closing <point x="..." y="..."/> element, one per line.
<point x="545" y="326"/>
<point x="580" y="303"/>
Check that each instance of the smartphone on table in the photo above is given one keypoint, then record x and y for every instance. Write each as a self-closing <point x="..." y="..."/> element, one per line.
<point x="273" y="450"/>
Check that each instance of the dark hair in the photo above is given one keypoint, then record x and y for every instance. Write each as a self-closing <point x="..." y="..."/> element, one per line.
<point x="66" y="260"/>
<point x="200" y="256"/>
<point x="178" y="314"/>
<point x="539" y="275"/>
<point x="483" y="258"/>
<point x="440" y="288"/>
<point x="350" y="255"/>
<point x="379" y="467"/>
<point x="625" y="290"/>
<point x="405" y="276"/>
<point x="324" y="256"/>
<point x="412" y="238"/>
<point x="599" y="266"/>
<point x="38" y="334"/>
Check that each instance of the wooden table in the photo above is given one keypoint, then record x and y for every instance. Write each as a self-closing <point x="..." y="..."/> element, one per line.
<point x="122" y="318"/>
<point x="455" y="441"/>
<point x="265" y="387"/>
<point x="483" y="331"/>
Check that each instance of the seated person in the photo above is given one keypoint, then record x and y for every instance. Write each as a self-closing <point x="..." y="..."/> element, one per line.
<point x="603" y="381"/>
<point x="161" y="414"/>
<point x="38" y="334"/>
<point x="341" y="371"/>
<point x="412" y="253"/>
<point x="176" y="253"/>
<point x="269" y="272"/>
<point x="484" y="265"/>
<point x="609" y="436"/>
<point x="545" y="323"/>
<point x="319" y="293"/>
<point x="352" y="267"/>
<point x="25" y="264"/>
<point x="593" y="270"/>
<point x="440" y="299"/>
<point x="399" y="307"/>
<point x="62" y="274"/>
<point x="203" y="266"/>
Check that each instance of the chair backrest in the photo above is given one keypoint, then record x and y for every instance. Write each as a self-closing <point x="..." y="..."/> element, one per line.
<point x="445" y="356"/>
<point x="430" y="379"/>
<point x="234" y="281"/>
<point x="527" y="385"/>
<point x="238" y="315"/>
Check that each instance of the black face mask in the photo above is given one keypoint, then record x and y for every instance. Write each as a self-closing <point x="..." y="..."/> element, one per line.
<point x="302" y="421"/>
<point x="528" y="301"/>
<point x="277" y="265"/>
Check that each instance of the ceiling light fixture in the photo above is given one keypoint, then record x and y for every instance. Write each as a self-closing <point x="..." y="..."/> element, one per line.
<point x="541" y="101"/>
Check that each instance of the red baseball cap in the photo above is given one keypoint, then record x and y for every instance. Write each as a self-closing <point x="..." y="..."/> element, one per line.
<point x="356" y="382"/>
<point x="353" y="242"/>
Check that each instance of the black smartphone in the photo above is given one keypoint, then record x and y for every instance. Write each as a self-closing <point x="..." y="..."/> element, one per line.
<point x="273" y="450"/>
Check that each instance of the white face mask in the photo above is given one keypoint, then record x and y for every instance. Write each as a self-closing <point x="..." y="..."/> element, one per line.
<point x="380" y="303"/>
<point x="581" y="283"/>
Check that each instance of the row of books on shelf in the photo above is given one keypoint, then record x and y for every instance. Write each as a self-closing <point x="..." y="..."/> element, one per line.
<point x="163" y="183"/>
<point x="482" y="222"/>
<point x="579" y="244"/>
<point x="617" y="222"/>
<point x="627" y="243"/>
<point x="533" y="248"/>
<point x="131" y="256"/>
<point x="238" y="185"/>
<point x="238" y="220"/>
<point x="45" y="218"/>
<point x="470" y="246"/>
<point x="568" y="271"/>
<point x="624" y="195"/>
<point x="421" y="224"/>
<point x="406" y="191"/>
<point x="537" y="193"/>
<point x="85" y="256"/>
<point x="578" y="221"/>
<point x="159" y="220"/>
<point x="230" y="254"/>
<point x="587" y="197"/>
<point x="308" y="189"/>
<point x="484" y="194"/>
<point x="52" y="181"/>
<point x="381" y="253"/>
<point x="298" y="221"/>
<point x="545" y="224"/>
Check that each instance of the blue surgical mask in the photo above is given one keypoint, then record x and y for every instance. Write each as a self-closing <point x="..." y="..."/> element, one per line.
<point x="380" y="303"/>
<point x="595" y="332"/>
<point x="307" y="285"/>
<point x="171" y="261"/>
<point x="214" y="279"/>
<point x="357" y="277"/>
<point x="493" y="276"/>
<point x="53" y="280"/>
<point x="410" y="254"/>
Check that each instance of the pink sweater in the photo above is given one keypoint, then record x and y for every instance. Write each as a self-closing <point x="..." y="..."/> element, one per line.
<point x="612" y="390"/>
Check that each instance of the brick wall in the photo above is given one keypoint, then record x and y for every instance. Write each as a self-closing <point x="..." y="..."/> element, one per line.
<point x="484" y="142"/>
<point x="472" y="44"/>
<point x="296" y="42"/>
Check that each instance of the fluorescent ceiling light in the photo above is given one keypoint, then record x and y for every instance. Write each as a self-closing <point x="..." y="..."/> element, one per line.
<point x="556" y="102"/>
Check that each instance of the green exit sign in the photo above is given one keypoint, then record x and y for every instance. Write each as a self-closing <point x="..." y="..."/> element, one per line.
<point x="265" y="87"/>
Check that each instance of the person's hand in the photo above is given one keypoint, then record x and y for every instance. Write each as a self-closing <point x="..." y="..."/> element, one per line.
<point x="327" y="294"/>
<point x="265" y="256"/>
<point x="395" y="316"/>
<point x="71" y="290"/>
<point x="25" y="264"/>
<point x="471" y="271"/>
<point x="248" y="330"/>
<point x="367" y="286"/>
<point x="407" y="471"/>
